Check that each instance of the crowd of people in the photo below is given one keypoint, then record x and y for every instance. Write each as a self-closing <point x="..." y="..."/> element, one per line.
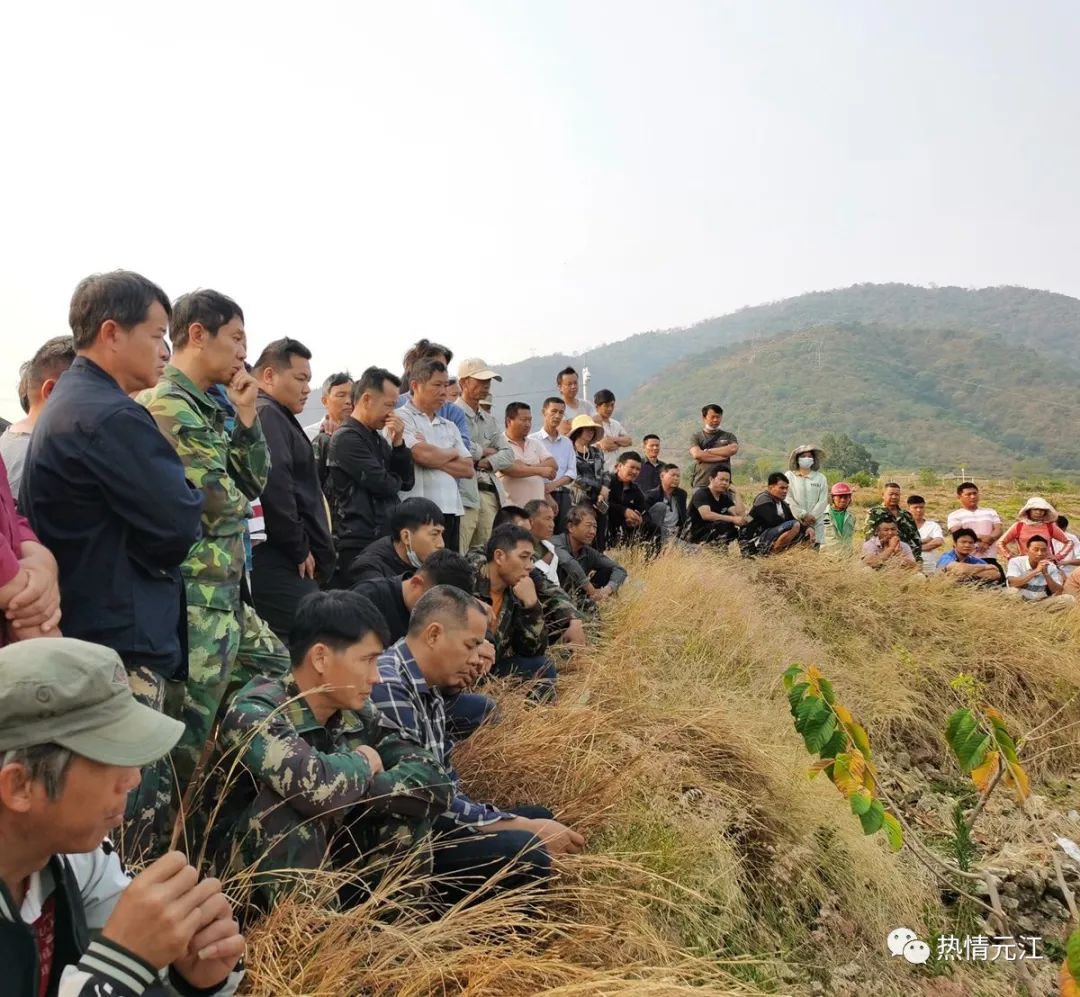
<point x="269" y="638"/>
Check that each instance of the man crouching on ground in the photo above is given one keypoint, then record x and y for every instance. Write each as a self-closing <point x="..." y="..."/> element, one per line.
<point x="72" y="740"/>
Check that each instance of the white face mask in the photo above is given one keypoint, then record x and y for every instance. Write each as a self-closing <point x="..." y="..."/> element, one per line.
<point x="805" y="462"/>
<point x="410" y="554"/>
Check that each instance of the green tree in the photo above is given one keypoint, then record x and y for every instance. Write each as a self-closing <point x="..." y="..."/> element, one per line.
<point x="842" y="452"/>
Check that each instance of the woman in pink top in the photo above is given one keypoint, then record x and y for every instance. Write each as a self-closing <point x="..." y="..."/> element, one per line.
<point x="1037" y="518"/>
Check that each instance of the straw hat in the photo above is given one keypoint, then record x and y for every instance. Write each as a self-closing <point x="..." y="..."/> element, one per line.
<point x="793" y="457"/>
<point x="585" y="421"/>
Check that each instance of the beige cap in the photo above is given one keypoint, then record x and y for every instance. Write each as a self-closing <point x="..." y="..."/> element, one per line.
<point x="475" y="367"/>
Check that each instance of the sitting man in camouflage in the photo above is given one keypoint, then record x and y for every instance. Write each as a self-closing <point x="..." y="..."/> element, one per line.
<point x="227" y="642"/>
<point x="325" y="779"/>
<point x="890" y="510"/>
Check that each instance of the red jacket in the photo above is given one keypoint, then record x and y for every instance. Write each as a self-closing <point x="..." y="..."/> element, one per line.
<point x="14" y="532"/>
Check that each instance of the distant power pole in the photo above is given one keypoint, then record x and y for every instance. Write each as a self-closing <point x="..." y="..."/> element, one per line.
<point x="585" y="382"/>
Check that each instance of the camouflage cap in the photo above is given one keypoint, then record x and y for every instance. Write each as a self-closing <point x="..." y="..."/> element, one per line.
<point x="76" y="694"/>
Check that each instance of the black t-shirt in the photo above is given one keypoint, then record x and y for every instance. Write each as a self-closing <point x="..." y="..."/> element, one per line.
<point x="386" y="594"/>
<point x="702" y="531"/>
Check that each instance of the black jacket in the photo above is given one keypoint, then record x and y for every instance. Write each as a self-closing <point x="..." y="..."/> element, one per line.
<point x="620" y="498"/>
<point x="379" y="560"/>
<point x="385" y="593"/>
<point x="106" y="493"/>
<point x="656" y="516"/>
<point x="292" y="501"/>
<point x="764" y="516"/>
<point x="365" y="476"/>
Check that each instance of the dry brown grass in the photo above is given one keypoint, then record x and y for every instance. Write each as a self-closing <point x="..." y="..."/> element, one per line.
<point x="714" y="864"/>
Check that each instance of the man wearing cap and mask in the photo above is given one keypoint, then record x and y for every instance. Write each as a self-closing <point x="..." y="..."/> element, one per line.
<point x="489" y="451"/>
<point x="839" y="521"/>
<point x="72" y="741"/>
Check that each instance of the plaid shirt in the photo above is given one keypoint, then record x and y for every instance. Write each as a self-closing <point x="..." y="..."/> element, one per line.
<point x="419" y="712"/>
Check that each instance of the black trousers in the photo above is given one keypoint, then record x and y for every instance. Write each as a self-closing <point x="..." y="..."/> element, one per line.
<point x="451" y="531"/>
<point x="276" y="588"/>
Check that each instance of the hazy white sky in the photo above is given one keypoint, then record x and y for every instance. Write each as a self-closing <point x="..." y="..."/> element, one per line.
<point x="518" y="177"/>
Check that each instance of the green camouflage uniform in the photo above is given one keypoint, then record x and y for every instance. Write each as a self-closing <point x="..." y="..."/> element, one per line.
<point x="304" y="789"/>
<point x="227" y="642"/>
<point x="518" y="631"/>
<point x="905" y="526"/>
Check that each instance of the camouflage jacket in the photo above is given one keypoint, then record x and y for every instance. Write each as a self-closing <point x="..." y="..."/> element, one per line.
<point x="229" y="469"/>
<point x="302" y="780"/>
<point x="905" y="526"/>
<point x="518" y="630"/>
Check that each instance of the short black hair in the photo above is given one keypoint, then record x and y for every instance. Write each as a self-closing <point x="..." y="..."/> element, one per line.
<point x="603" y="396"/>
<point x="552" y="400"/>
<point x="964" y="531"/>
<point x="373" y="379"/>
<point x="444" y="603"/>
<point x="425" y="369"/>
<point x="1038" y="538"/>
<point x="562" y="373"/>
<point x="664" y="468"/>
<point x="964" y="486"/>
<point x="210" y="309"/>
<point x="776" y="477"/>
<point x="514" y="407"/>
<point x="52" y="358"/>
<point x="336" y="380"/>
<point x="628" y="455"/>
<point x="890" y="484"/>
<point x="533" y="506"/>
<point x="121" y="296"/>
<point x="649" y="436"/>
<point x="506" y="538"/>
<point x="711" y="407"/>
<point x="448" y="567"/>
<point x="579" y="512"/>
<point x="1063" y="522"/>
<point x="914" y="499"/>
<point x="509" y="514"/>
<point x="715" y="469"/>
<point x="279" y="354"/>
<point x="338" y="618"/>
<point x="423" y="349"/>
<point x="414" y="513"/>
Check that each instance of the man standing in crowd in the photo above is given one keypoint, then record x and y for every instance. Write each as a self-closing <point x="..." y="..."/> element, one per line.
<point x="716" y="513"/>
<point x="599" y="577"/>
<point x="489" y="450"/>
<point x="517" y="617"/>
<point x="626" y="503"/>
<point x="1035" y="578"/>
<point x="228" y="643"/>
<point x="72" y="741"/>
<point x="886" y="549"/>
<point x="984" y="521"/>
<point x="615" y="437"/>
<point x="931" y="537"/>
<point x="42" y="374"/>
<point x="366" y="472"/>
<point x="567" y="383"/>
<point x="839" y="521"/>
<point x="559" y="447"/>
<point x="890" y="509"/>
<point x="103" y="487"/>
<point x="438" y="451"/>
<point x="711" y="444"/>
<point x="649" y="479"/>
<point x="337" y="401"/>
<point x="532" y="466"/>
<point x="666" y="506"/>
<point x="424" y="349"/>
<point x="961" y="564"/>
<point x="297" y="554"/>
<point x="474" y="841"/>
<point x="327" y="782"/>
<point x="773" y="526"/>
<point x="415" y="532"/>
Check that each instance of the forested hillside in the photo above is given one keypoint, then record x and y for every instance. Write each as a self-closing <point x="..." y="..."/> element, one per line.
<point x="1041" y="319"/>
<point x="915" y="397"/>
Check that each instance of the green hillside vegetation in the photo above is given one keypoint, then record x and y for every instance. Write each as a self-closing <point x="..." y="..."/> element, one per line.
<point x="1040" y="319"/>
<point x="915" y="397"/>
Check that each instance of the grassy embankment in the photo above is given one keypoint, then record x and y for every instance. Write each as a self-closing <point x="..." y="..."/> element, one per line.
<point x="714" y="864"/>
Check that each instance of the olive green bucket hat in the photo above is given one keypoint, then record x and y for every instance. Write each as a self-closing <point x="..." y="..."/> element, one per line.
<point x="58" y="690"/>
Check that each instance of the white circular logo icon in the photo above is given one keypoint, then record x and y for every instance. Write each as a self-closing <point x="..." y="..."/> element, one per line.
<point x="917" y="952"/>
<point x="898" y="938"/>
